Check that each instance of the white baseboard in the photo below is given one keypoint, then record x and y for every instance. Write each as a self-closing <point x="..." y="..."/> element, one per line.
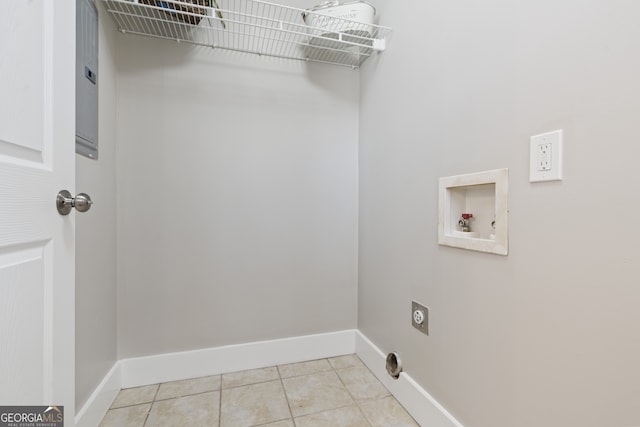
<point x="213" y="361"/>
<point x="139" y="371"/>
<point x="416" y="400"/>
<point x="100" y="400"/>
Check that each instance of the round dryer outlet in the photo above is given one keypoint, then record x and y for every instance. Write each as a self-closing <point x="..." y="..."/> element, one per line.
<point x="418" y="317"/>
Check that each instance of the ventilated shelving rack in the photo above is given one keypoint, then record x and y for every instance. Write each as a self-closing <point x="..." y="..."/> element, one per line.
<point x="252" y="26"/>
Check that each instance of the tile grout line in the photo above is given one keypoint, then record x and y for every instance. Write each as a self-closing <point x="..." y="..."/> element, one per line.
<point x="151" y="407"/>
<point x="293" y="421"/>
<point x="331" y="369"/>
<point x="355" y="401"/>
<point x="185" y="395"/>
<point x="334" y="370"/>
<point x="390" y="395"/>
<point x="244" y="385"/>
<point x="220" y="404"/>
<point x="133" y="404"/>
<point x="130" y="406"/>
<point x="308" y="373"/>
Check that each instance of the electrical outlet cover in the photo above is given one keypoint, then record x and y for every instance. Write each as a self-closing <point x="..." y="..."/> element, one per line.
<point x="420" y="312"/>
<point x="545" y="154"/>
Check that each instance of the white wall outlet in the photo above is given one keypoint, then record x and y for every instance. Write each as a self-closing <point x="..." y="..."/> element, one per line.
<point x="546" y="157"/>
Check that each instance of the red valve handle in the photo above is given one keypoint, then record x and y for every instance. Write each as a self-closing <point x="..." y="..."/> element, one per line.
<point x="467" y="216"/>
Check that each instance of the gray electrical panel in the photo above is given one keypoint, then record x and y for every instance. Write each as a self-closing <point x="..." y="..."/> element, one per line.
<point x="86" y="78"/>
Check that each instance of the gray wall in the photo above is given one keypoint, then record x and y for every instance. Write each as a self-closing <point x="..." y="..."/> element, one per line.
<point x="237" y="197"/>
<point x="547" y="336"/>
<point x="96" y="238"/>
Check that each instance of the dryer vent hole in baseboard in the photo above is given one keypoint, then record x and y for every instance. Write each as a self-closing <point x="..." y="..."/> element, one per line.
<point x="394" y="365"/>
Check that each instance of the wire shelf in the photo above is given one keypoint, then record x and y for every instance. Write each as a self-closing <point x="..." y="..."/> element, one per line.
<point x="252" y="26"/>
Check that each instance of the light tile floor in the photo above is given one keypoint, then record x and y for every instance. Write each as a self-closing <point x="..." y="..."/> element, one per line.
<point x="335" y="392"/>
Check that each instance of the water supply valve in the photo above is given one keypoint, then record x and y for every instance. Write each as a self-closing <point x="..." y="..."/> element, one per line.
<point x="465" y="222"/>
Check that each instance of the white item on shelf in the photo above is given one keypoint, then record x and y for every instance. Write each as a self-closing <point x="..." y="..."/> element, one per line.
<point x="333" y="20"/>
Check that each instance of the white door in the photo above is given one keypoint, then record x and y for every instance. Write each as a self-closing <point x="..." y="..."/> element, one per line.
<point x="37" y="159"/>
